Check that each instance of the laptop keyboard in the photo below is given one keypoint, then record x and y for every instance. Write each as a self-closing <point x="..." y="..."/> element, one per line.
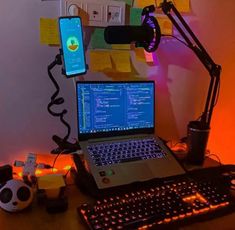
<point x="125" y="151"/>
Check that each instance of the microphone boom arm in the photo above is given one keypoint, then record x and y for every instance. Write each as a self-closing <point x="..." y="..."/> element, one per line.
<point x="213" y="69"/>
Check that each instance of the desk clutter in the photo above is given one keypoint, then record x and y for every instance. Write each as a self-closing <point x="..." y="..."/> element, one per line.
<point x="158" y="203"/>
<point x="20" y="188"/>
<point x="16" y="195"/>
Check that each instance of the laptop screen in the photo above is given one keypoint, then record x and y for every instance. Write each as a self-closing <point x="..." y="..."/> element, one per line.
<point x="115" y="108"/>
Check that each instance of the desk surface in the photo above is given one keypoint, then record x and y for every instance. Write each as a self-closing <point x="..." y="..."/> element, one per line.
<point x="37" y="217"/>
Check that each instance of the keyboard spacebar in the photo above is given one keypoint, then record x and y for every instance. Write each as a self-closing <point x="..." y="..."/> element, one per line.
<point x="131" y="159"/>
<point x="140" y="222"/>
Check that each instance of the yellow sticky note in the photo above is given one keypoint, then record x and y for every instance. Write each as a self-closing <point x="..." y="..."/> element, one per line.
<point x="49" y="34"/>
<point x="100" y="61"/>
<point x="122" y="60"/>
<point x="139" y="53"/>
<point x="182" y="5"/>
<point x="159" y="2"/>
<point x="143" y="3"/>
<point x="51" y="181"/>
<point x="165" y="25"/>
<point x="121" y="46"/>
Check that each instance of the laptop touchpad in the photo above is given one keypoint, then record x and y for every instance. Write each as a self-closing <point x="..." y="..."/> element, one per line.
<point x="137" y="171"/>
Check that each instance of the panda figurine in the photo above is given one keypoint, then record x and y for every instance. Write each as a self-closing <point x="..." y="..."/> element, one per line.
<point x="15" y="195"/>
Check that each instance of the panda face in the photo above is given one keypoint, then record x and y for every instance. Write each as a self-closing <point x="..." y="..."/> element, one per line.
<point x="15" y="195"/>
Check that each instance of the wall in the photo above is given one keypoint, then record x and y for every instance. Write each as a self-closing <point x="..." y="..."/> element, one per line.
<point x="182" y="82"/>
<point x="217" y="32"/>
<point x="24" y="89"/>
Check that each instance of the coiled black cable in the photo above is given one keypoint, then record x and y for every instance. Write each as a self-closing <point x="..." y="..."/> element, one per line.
<point x="55" y="100"/>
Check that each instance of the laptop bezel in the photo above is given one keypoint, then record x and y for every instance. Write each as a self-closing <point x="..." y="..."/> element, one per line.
<point x="87" y="136"/>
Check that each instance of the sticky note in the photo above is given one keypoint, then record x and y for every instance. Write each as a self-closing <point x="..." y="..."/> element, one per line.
<point x="159" y="2"/>
<point x="97" y="40"/>
<point x="182" y="5"/>
<point x="49" y="34"/>
<point x="143" y="3"/>
<point x="122" y="60"/>
<point x="100" y="60"/>
<point x="139" y="53"/>
<point x="121" y="46"/>
<point x="144" y="56"/>
<point x="51" y="181"/>
<point x="165" y="25"/>
<point x="148" y="57"/>
<point x="135" y="16"/>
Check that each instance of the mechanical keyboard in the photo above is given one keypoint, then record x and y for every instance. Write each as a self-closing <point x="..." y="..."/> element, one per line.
<point x="161" y="203"/>
<point x="125" y="151"/>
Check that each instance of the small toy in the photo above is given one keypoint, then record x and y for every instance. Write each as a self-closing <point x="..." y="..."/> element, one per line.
<point x="15" y="196"/>
<point x="29" y="168"/>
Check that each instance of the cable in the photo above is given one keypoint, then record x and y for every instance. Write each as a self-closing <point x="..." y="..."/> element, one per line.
<point x="217" y="96"/>
<point x="65" y="175"/>
<point x="216" y="156"/>
<point x="166" y="35"/>
<point x="53" y="165"/>
<point x="182" y="141"/>
<point x="216" y="100"/>
<point x="57" y="100"/>
<point x="74" y="84"/>
<point x="63" y="145"/>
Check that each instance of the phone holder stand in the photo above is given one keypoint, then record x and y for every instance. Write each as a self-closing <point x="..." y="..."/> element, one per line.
<point x="63" y="145"/>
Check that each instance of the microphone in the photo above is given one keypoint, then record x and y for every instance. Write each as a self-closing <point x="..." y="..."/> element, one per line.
<point x="147" y="35"/>
<point x="127" y="34"/>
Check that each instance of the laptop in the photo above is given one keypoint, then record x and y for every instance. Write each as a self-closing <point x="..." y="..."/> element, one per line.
<point x="116" y="125"/>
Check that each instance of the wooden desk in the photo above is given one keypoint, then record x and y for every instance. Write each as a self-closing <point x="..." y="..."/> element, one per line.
<point x="37" y="218"/>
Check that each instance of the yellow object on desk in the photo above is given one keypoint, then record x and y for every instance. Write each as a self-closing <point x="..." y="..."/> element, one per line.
<point x="51" y="184"/>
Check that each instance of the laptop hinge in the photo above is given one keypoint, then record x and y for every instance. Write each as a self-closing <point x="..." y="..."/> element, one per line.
<point x="121" y="138"/>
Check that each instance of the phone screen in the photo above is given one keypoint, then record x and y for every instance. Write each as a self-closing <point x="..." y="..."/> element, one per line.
<point x="71" y="37"/>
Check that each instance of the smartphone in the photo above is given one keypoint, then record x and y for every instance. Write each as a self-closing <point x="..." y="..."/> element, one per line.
<point x="71" y="39"/>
